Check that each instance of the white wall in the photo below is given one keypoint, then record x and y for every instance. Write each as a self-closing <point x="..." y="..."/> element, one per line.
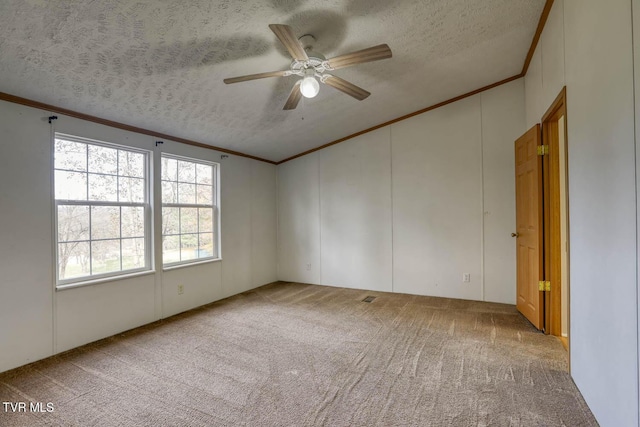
<point x="437" y="201"/>
<point x="89" y="313"/>
<point x="264" y="219"/>
<point x="412" y="206"/>
<point x="355" y="212"/>
<point x="503" y="115"/>
<point x="236" y="215"/>
<point x="635" y="5"/>
<point x="587" y="45"/>
<point x="299" y="220"/>
<point x="26" y="291"/>
<point x="41" y="321"/>
<point x="546" y="76"/>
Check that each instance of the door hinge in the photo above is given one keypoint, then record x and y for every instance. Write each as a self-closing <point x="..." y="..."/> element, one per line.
<point x="543" y="149"/>
<point x="544" y="286"/>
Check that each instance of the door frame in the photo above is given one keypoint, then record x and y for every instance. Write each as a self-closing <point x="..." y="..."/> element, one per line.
<point x="552" y="230"/>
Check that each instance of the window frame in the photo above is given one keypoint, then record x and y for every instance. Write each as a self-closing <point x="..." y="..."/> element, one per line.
<point x="215" y="206"/>
<point x="147" y="215"/>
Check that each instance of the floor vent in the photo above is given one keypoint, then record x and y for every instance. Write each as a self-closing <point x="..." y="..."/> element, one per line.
<point x="369" y="299"/>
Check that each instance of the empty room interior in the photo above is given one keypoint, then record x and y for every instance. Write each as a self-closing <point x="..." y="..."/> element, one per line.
<point x="305" y="212"/>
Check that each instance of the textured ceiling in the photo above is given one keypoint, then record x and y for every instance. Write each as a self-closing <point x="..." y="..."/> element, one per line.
<point x="159" y="65"/>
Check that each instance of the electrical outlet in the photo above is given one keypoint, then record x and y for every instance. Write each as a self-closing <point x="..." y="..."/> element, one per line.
<point x="466" y="277"/>
<point x="308" y="267"/>
<point x="180" y="289"/>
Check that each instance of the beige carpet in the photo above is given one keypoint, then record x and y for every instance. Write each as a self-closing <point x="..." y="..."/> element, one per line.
<point x="300" y="355"/>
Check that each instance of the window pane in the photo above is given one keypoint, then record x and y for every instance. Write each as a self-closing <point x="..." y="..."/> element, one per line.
<point x="188" y="220"/>
<point x="186" y="193"/>
<point x="103" y="159"/>
<point x="187" y="183"/>
<point x="188" y="246"/>
<point x="170" y="221"/>
<point x="204" y="194"/>
<point x="170" y="249"/>
<point x="169" y="192"/>
<point x="131" y="190"/>
<point x="204" y="174"/>
<point x="105" y="256"/>
<point x="169" y="169"/>
<point x="70" y="155"/>
<point x="132" y="221"/>
<point x="73" y="260"/>
<point x="206" y="245"/>
<point x="92" y="238"/>
<point x="130" y="164"/>
<point x="103" y="188"/>
<point x="105" y="222"/>
<point x="132" y="253"/>
<point x="71" y="185"/>
<point x="73" y="223"/>
<point x="205" y="219"/>
<point x="186" y="171"/>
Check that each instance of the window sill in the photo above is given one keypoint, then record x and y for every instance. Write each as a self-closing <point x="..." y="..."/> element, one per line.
<point x="103" y="280"/>
<point x="190" y="264"/>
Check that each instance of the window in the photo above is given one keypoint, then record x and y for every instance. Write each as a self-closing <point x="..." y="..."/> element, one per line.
<point x="189" y="210"/>
<point x="101" y="209"/>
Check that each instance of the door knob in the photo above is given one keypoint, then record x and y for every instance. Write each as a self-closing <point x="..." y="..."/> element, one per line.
<point x="515" y="234"/>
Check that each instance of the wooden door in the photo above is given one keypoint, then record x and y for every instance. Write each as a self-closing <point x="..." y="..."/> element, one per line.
<point x="529" y="252"/>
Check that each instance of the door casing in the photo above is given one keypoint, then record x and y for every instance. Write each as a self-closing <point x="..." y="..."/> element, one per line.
<point x="550" y="243"/>
<point x="553" y="236"/>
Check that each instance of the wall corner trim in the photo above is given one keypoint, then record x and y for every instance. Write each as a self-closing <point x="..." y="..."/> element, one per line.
<point x="47" y="107"/>
<point x="407" y="116"/>
<point x="536" y="37"/>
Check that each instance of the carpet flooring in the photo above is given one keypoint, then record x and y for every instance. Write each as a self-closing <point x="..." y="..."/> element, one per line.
<point x="289" y="354"/>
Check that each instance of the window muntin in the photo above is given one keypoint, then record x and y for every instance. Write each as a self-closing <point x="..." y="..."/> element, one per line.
<point x="102" y="209"/>
<point x="189" y="210"/>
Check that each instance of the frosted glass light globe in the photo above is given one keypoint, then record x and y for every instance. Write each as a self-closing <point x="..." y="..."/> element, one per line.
<point x="309" y="87"/>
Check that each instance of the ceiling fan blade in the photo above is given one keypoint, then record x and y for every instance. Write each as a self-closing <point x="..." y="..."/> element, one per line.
<point x="294" y="97"/>
<point x="374" y="53"/>
<point x="346" y="87"/>
<point x="254" y="77"/>
<point x="290" y="41"/>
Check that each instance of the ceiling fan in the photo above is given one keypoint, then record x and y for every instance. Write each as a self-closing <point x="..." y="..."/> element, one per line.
<point x="311" y="66"/>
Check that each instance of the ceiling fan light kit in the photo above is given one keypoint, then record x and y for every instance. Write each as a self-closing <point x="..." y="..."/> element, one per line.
<point x="312" y="66"/>
<point x="309" y="86"/>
